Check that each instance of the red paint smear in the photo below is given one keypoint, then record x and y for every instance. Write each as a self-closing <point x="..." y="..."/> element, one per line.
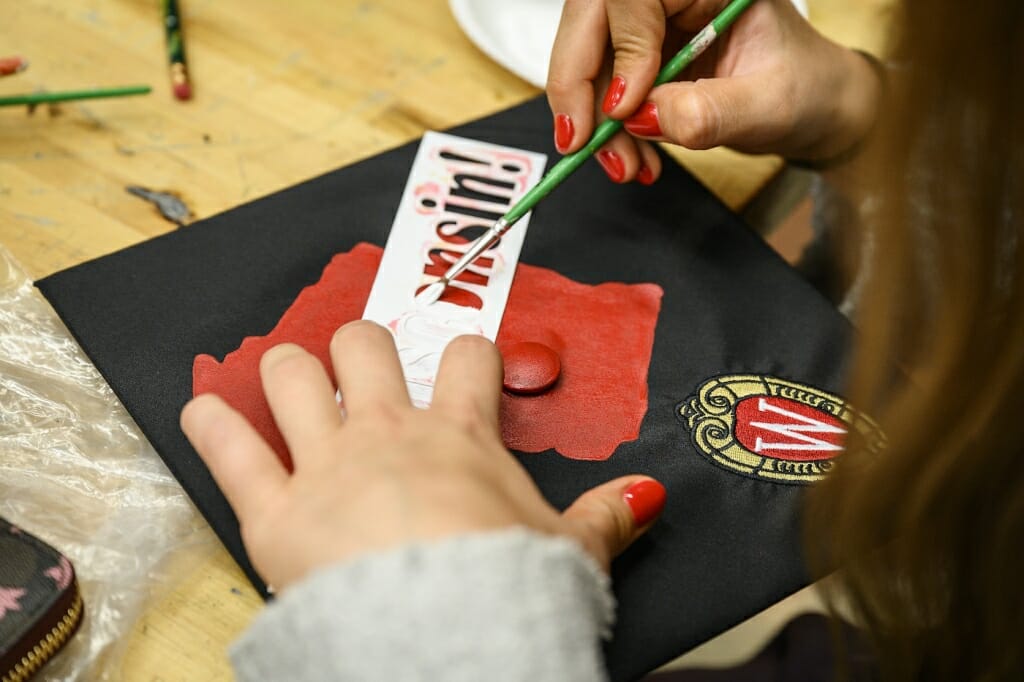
<point x="799" y="433"/>
<point x="310" y="322"/>
<point x="603" y="335"/>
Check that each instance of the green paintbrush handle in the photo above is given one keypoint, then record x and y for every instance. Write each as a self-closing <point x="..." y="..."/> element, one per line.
<point x="702" y="40"/>
<point x="50" y="97"/>
<point x="564" y="168"/>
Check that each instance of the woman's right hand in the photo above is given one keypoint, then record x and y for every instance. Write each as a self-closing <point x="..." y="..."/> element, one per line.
<point x="772" y="83"/>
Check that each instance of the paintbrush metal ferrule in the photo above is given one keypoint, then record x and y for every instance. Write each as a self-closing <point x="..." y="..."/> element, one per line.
<point x="484" y="242"/>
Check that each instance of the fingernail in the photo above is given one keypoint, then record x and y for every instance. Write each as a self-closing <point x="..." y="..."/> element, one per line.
<point x="646" y="499"/>
<point x="645" y="176"/>
<point x="612" y="165"/>
<point x="645" y="121"/>
<point x="614" y="95"/>
<point x="563" y="132"/>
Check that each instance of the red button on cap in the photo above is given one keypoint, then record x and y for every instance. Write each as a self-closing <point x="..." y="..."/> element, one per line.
<point x="530" y="367"/>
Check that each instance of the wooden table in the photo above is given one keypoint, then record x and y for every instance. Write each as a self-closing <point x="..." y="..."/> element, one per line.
<point x="284" y="91"/>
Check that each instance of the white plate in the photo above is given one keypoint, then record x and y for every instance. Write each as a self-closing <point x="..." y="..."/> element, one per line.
<point x="518" y="34"/>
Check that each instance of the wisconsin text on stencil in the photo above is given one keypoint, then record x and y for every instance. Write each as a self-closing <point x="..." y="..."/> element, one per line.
<point x="482" y="186"/>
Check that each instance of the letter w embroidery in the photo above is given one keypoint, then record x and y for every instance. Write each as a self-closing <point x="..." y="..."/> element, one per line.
<point x="794" y="435"/>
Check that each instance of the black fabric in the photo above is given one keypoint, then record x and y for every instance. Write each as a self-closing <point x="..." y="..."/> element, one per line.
<point x="727" y="545"/>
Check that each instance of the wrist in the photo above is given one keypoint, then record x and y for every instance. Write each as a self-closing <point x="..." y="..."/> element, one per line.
<point x="849" y="122"/>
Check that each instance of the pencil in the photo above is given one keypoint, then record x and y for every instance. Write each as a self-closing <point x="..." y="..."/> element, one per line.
<point x="176" y="51"/>
<point x="564" y="168"/>
<point x="12" y="65"/>
<point x="34" y="98"/>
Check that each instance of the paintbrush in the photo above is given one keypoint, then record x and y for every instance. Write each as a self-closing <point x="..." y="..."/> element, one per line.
<point x="564" y="168"/>
<point x="33" y="99"/>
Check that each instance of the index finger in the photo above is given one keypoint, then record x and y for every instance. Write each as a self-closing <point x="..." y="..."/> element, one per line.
<point x="576" y="60"/>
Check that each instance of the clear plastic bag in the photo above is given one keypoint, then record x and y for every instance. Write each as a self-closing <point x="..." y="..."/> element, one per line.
<point x="76" y="471"/>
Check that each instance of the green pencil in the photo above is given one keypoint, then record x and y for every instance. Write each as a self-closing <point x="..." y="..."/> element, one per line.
<point x="176" y="51"/>
<point x="564" y="168"/>
<point x="35" y="98"/>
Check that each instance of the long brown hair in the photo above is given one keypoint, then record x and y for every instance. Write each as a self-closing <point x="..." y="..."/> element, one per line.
<point x="930" y="535"/>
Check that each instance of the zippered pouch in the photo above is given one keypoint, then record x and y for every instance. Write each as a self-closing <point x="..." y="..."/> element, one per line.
<point x="40" y="604"/>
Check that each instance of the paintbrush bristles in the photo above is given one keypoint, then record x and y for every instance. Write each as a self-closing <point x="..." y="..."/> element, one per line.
<point x="432" y="294"/>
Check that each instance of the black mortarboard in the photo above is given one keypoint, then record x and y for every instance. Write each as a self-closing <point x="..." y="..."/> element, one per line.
<point x="735" y="321"/>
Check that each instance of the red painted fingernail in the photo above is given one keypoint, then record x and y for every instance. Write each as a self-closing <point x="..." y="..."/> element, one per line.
<point x="612" y="165"/>
<point x="563" y="132"/>
<point x="646" y="499"/>
<point x="645" y="121"/>
<point x="645" y="176"/>
<point x="614" y="95"/>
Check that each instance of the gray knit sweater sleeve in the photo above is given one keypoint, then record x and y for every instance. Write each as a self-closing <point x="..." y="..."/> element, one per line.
<point x="505" y="605"/>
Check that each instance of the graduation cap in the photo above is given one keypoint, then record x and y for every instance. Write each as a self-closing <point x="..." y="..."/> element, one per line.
<point x="744" y="363"/>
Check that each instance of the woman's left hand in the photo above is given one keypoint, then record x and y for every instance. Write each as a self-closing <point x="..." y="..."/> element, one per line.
<point x="386" y="473"/>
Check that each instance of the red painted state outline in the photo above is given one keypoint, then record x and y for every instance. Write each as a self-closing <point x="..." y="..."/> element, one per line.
<point x="603" y="334"/>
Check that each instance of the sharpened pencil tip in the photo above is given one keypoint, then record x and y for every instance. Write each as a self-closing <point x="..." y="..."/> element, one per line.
<point x="431" y="294"/>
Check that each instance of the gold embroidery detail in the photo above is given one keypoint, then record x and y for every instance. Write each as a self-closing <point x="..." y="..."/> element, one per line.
<point x="710" y="417"/>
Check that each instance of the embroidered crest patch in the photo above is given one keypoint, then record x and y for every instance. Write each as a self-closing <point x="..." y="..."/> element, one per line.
<point x="769" y="428"/>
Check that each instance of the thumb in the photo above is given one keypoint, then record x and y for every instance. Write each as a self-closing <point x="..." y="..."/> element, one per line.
<point x="738" y="111"/>
<point x="608" y="518"/>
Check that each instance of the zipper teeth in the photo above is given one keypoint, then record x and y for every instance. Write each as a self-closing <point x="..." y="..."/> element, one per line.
<point x="48" y="646"/>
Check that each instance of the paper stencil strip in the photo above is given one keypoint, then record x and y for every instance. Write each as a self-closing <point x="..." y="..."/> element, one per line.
<point x="456" y="189"/>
